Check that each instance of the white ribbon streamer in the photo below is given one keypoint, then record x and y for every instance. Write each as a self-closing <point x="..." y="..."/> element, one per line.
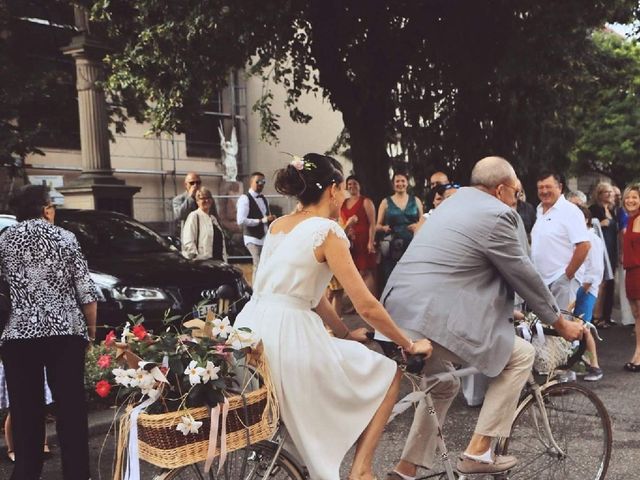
<point x="133" y="460"/>
<point x="540" y="333"/>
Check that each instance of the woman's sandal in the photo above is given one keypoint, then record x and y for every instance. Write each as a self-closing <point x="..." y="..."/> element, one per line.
<point x="632" y="367"/>
<point x="11" y="456"/>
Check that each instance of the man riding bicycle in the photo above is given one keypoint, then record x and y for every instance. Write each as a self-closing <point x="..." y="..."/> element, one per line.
<point x="455" y="285"/>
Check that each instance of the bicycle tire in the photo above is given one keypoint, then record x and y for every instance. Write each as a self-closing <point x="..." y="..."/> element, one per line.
<point x="258" y="458"/>
<point x="581" y="426"/>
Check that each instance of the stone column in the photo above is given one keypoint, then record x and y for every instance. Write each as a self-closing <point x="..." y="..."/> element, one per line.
<point x="94" y="127"/>
<point x="96" y="187"/>
<point x="94" y="134"/>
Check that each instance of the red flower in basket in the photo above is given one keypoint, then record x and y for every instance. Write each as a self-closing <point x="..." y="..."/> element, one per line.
<point x="103" y="388"/>
<point x="139" y="331"/>
<point x="110" y="339"/>
<point x="104" y="361"/>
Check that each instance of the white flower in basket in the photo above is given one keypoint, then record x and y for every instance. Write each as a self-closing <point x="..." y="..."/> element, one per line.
<point x="221" y="327"/>
<point x="195" y="372"/>
<point x="188" y="425"/>
<point x="210" y="372"/>
<point x="242" y="338"/>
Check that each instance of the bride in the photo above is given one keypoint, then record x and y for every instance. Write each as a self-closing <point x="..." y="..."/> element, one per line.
<point x="333" y="391"/>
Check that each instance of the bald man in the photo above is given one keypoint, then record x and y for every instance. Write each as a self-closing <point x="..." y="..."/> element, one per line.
<point x="185" y="203"/>
<point x="454" y="285"/>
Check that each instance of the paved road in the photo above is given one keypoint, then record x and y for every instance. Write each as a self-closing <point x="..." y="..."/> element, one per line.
<point x="619" y="390"/>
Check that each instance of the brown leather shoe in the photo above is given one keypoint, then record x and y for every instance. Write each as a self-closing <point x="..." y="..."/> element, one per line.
<point x="501" y="463"/>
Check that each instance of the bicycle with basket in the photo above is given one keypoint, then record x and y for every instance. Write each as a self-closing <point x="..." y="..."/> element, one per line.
<point x="201" y="404"/>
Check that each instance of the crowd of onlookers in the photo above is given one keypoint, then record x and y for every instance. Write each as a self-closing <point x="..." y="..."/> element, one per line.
<point x="578" y="245"/>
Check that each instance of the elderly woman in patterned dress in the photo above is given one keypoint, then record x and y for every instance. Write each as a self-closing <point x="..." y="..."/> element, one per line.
<point x="53" y="317"/>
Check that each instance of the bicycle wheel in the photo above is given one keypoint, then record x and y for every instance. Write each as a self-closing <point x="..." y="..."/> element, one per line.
<point x="249" y="463"/>
<point x="580" y="426"/>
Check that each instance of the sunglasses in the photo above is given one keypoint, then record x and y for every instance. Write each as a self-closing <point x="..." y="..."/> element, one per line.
<point x="204" y="198"/>
<point x="440" y="189"/>
<point x="261" y="182"/>
<point x="195" y="182"/>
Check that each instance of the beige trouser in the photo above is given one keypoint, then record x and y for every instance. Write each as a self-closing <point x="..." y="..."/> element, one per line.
<point x="255" y="251"/>
<point x="498" y="409"/>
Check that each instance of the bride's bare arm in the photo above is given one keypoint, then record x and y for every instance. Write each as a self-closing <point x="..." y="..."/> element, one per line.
<point x="329" y="316"/>
<point x="336" y="253"/>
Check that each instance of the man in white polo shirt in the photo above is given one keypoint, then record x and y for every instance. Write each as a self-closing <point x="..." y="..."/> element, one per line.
<point x="559" y="240"/>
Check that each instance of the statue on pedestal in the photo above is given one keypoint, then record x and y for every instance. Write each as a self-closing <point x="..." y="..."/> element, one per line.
<point x="229" y="154"/>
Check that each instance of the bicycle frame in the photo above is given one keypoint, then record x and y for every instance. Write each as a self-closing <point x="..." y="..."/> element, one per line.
<point x="427" y="384"/>
<point x="536" y="392"/>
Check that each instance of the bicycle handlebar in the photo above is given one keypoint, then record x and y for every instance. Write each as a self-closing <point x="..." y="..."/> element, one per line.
<point x="411" y="363"/>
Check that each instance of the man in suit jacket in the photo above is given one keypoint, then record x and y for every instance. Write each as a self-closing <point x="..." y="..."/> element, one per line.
<point x="455" y="285"/>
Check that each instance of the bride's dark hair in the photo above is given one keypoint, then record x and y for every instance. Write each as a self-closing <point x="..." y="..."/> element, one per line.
<point x="307" y="183"/>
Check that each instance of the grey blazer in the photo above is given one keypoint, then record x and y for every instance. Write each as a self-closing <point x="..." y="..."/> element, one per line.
<point x="455" y="283"/>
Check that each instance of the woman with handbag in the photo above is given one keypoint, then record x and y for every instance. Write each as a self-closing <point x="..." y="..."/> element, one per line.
<point x="399" y="218"/>
<point x="202" y="236"/>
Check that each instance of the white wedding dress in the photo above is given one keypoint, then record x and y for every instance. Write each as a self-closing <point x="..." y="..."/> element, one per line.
<point x="328" y="388"/>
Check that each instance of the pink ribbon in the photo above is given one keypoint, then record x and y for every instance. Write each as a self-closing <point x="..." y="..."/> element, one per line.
<point x="213" y="436"/>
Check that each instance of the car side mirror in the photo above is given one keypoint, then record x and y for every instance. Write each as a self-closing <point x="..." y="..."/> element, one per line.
<point x="174" y="242"/>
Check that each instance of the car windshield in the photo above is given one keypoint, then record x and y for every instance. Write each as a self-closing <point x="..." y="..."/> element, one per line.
<point x="101" y="236"/>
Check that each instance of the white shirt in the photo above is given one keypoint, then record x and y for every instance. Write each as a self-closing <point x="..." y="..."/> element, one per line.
<point x="554" y="237"/>
<point x="592" y="270"/>
<point x="242" y="212"/>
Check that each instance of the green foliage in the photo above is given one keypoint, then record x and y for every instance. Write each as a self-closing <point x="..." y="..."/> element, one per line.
<point x="608" y="117"/>
<point x="458" y="79"/>
<point x="37" y="94"/>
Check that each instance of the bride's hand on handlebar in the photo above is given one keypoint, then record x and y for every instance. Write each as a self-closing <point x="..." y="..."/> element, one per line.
<point x="421" y="347"/>
<point x="359" y="335"/>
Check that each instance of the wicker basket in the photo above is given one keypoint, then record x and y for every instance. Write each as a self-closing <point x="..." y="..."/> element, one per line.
<point x="251" y="418"/>
<point x="160" y="444"/>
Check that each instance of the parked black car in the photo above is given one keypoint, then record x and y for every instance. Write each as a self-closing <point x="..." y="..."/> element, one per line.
<point x="140" y="272"/>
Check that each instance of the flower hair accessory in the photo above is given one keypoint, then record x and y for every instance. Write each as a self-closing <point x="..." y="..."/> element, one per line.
<point x="297" y="162"/>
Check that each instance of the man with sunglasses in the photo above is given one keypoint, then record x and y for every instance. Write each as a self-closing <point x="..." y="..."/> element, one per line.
<point x="254" y="216"/>
<point x="185" y="203"/>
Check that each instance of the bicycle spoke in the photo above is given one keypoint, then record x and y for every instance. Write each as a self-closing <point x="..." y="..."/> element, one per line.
<point x="580" y="427"/>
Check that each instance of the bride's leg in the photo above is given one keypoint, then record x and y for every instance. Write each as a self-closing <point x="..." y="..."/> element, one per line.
<point x="368" y="441"/>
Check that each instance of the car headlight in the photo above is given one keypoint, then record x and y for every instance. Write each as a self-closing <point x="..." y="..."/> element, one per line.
<point x="133" y="294"/>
